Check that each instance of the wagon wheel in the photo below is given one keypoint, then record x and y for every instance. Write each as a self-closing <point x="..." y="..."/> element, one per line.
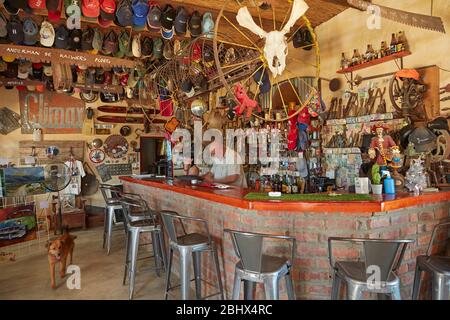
<point x="240" y="58"/>
<point x="404" y="95"/>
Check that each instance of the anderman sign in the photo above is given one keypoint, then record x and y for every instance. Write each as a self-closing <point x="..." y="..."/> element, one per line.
<point x="52" y="112"/>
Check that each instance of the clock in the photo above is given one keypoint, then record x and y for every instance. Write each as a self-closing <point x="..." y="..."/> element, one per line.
<point x="96" y="156"/>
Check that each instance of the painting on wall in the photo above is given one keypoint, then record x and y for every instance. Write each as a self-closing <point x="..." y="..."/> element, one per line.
<point x="22" y="181"/>
<point x="54" y="113"/>
<point x="17" y="224"/>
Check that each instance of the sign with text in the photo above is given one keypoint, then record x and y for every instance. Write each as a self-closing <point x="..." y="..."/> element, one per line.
<point x="52" y="112"/>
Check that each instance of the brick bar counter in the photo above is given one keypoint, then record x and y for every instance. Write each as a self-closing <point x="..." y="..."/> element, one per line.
<point x="311" y="223"/>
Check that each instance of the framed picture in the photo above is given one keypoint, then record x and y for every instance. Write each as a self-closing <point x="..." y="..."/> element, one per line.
<point x="22" y="181"/>
<point x="17" y="224"/>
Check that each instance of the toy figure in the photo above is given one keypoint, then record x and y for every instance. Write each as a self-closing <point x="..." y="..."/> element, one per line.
<point x="245" y="103"/>
<point x="380" y="146"/>
<point x="396" y="157"/>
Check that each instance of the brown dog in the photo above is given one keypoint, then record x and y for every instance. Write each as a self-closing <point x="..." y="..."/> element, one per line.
<point x="58" y="250"/>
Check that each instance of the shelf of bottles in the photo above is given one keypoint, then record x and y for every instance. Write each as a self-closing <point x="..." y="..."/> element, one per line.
<point x="397" y="49"/>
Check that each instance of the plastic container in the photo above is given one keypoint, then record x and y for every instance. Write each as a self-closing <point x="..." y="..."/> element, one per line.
<point x="389" y="185"/>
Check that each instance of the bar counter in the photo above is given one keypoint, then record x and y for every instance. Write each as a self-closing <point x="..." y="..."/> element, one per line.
<point x="311" y="223"/>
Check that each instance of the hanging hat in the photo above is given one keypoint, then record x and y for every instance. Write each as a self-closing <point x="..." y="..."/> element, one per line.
<point x="168" y="17"/>
<point x="168" y="50"/>
<point x="37" y="4"/>
<point x="423" y="139"/>
<point x="140" y="11"/>
<point x="90" y="8"/>
<point x="124" y="14"/>
<point x="13" y="6"/>
<point x="379" y="125"/>
<point x="107" y="10"/>
<point x="30" y="31"/>
<point x="97" y="41"/>
<point x="61" y="37"/>
<point x="147" y="47"/>
<point x="3" y="24"/>
<point x="37" y="71"/>
<point x="158" y="48"/>
<point x="54" y="8"/>
<point x="195" y="24"/>
<point x="24" y="70"/>
<point x="208" y="25"/>
<point x="124" y="44"/>
<point x="167" y="34"/>
<point x="136" y="45"/>
<point x="154" y="16"/>
<point x="75" y="39"/>
<point x="181" y="21"/>
<point x="47" y="34"/>
<point x="86" y="39"/>
<point x="188" y="88"/>
<point x="110" y="44"/>
<point x="15" y="30"/>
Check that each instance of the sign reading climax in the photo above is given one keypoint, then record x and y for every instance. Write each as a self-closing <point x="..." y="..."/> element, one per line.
<point x="52" y="112"/>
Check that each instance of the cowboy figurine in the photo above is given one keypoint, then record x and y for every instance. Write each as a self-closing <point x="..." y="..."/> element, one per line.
<point x="380" y="146"/>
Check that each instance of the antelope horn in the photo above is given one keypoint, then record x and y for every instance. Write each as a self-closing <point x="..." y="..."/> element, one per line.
<point x="245" y="19"/>
<point x="298" y="9"/>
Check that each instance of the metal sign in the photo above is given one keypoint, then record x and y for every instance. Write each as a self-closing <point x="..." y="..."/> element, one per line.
<point x="54" y="113"/>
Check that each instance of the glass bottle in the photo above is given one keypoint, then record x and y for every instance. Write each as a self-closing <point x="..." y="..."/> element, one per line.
<point x="401" y="41"/>
<point x="344" y="61"/>
<point x="294" y="186"/>
<point x="370" y="53"/>
<point x="355" y="57"/>
<point x="393" y="46"/>
<point x="383" y="49"/>
<point x="284" y="186"/>
<point x="288" y="185"/>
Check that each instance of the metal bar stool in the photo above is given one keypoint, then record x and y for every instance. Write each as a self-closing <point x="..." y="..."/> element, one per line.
<point x="111" y="195"/>
<point x="438" y="266"/>
<point x="190" y="247"/>
<point x="255" y="266"/>
<point x="134" y="229"/>
<point x="376" y="274"/>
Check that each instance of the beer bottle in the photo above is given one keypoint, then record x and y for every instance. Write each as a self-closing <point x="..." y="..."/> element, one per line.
<point x="401" y="41"/>
<point x="369" y="53"/>
<point x="344" y="61"/>
<point x="393" y="46"/>
<point x="289" y="185"/>
<point x="294" y="186"/>
<point x="383" y="49"/>
<point x="284" y="186"/>
<point x="354" y="60"/>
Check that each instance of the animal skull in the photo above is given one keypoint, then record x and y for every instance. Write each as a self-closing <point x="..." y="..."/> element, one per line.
<point x="275" y="47"/>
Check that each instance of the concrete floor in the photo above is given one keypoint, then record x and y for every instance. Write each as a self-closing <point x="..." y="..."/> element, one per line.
<point x="101" y="275"/>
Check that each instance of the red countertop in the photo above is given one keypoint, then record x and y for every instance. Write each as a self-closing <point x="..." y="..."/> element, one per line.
<point x="235" y="197"/>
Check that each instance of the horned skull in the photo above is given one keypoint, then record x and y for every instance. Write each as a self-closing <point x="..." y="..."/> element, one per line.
<point x="275" y="47"/>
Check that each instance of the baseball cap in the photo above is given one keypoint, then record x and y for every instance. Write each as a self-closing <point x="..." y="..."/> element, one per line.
<point x="136" y="45"/>
<point x="154" y="16"/>
<point x="90" y="8"/>
<point x="110" y="44"/>
<point x="3" y="23"/>
<point x="107" y="9"/>
<point x="13" y="6"/>
<point x="158" y="48"/>
<point x="54" y="8"/>
<point x="15" y="30"/>
<point x="75" y="39"/>
<point x="140" y="11"/>
<point x="8" y="59"/>
<point x="168" y="17"/>
<point x="48" y="71"/>
<point x="124" y="44"/>
<point x="47" y="34"/>
<point x="195" y="24"/>
<point x="37" y="70"/>
<point x="86" y="39"/>
<point x="97" y="42"/>
<point x="167" y="33"/>
<point x="261" y="77"/>
<point x="124" y="14"/>
<point x="168" y="50"/>
<point x="37" y="4"/>
<point x="147" y="47"/>
<point x="208" y="25"/>
<point x="30" y="31"/>
<point x="181" y="21"/>
<point x="24" y="70"/>
<point x="61" y="37"/>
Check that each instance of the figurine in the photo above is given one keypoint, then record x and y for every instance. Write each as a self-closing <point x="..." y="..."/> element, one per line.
<point x="396" y="157"/>
<point x="380" y="146"/>
<point x="245" y="103"/>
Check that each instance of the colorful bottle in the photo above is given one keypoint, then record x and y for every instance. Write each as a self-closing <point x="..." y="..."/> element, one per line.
<point x="389" y="185"/>
<point x="393" y="46"/>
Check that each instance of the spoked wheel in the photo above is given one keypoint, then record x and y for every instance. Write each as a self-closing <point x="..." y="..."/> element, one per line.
<point x="241" y="58"/>
<point x="406" y="96"/>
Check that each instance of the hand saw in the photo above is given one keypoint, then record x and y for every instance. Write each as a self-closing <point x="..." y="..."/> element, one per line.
<point x="409" y="18"/>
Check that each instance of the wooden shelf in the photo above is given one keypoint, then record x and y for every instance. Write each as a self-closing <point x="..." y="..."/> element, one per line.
<point x="391" y="57"/>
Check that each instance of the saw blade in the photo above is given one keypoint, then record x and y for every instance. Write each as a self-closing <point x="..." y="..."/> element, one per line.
<point x="409" y="18"/>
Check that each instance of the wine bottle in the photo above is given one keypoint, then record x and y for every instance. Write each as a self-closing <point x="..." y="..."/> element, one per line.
<point x="383" y="49"/>
<point x="294" y="186"/>
<point x="401" y="41"/>
<point x="344" y="61"/>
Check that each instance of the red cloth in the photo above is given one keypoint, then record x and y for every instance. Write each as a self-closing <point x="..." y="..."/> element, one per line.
<point x="304" y="116"/>
<point x="166" y="107"/>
